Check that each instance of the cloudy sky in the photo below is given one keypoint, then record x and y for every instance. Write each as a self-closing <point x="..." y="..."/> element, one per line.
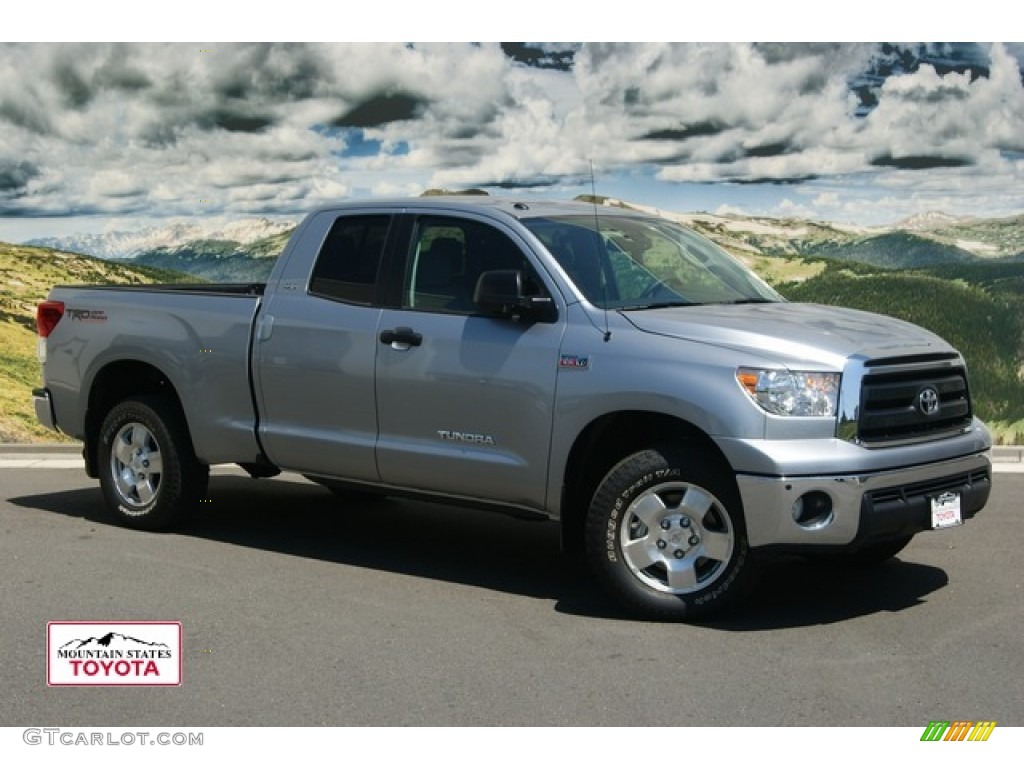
<point x="97" y="137"/>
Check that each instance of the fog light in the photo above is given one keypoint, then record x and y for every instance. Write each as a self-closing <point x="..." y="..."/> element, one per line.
<point x="813" y="510"/>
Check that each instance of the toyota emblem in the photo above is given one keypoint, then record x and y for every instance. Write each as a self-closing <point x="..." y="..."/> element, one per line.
<point x="928" y="401"/>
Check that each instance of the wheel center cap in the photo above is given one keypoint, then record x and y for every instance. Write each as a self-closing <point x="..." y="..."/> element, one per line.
<point x="678" y="537"/>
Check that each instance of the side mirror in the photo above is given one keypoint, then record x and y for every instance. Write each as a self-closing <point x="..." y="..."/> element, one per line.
<point x="500" y="292"/>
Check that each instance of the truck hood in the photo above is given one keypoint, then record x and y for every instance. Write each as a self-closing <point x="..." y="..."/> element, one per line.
<point x="792" y="332"/>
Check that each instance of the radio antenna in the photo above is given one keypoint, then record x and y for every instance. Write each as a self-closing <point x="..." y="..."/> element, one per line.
<point x="597" y="242"/>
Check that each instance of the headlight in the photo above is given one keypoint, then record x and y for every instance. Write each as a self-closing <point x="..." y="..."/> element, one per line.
<point x="791" y="393"/>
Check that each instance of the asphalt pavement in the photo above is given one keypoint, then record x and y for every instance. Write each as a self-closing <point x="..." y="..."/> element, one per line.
<point x="298" y="609"/>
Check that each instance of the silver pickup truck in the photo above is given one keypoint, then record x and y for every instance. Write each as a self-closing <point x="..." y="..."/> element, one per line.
<point x="598" y="366"/>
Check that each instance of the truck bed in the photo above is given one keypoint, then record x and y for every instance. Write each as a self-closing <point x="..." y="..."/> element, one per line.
<point x="198" y="336"/>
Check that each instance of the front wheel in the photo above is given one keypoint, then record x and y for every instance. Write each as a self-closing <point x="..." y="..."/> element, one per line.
<point x="665" y="534"/>
<point x="148" y="471"/>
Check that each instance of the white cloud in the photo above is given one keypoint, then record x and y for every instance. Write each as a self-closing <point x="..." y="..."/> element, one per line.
<point x="152" y="129"/>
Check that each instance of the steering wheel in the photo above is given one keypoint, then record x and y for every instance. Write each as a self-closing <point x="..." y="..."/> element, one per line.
<point x="654" y="288"/>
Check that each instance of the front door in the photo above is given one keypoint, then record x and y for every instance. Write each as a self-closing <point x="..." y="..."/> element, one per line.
<point x="464" y="401"/>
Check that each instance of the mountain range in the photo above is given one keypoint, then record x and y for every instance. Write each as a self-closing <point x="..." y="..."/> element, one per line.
<point x="244" y="251"/>
<point x="919" y="241"/>
<point x="131" y="244"/>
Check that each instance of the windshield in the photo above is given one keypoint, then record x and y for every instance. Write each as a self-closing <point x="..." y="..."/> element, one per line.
<point x="639" y="263"/>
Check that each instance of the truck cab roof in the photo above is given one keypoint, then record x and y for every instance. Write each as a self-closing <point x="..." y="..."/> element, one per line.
<point x="517" y="208"/>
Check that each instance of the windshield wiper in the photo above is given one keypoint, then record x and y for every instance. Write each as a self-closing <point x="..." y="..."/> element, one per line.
<point x="659" y="305"/>
<point x="747" y="301"/>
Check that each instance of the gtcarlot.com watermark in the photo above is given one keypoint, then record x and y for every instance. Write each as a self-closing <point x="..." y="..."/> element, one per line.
<point x="69" y="737"/>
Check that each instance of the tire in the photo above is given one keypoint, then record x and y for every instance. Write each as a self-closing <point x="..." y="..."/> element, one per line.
<point x="148" y="471"/>
<point x="665" y="535"/>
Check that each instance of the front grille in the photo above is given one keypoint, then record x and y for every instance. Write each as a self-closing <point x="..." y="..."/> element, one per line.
<point x="913" y="399"/>
<point x="929" y="488"/>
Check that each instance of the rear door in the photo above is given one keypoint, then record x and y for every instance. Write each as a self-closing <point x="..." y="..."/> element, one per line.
<point x="316" y="346"/>
<point x="464" y="401"/>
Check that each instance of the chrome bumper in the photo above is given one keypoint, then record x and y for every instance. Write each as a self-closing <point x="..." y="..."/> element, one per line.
<point x="864" y="506"/>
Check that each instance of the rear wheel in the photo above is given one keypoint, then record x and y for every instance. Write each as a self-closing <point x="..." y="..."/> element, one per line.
<point x="148" y="471"/>
<point x="665" y="534"/>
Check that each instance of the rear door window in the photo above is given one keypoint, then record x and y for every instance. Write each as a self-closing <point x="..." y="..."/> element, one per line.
<point x="349" y="262"/>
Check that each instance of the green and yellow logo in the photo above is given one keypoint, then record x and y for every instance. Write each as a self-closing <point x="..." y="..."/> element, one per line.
<point x="958" y="730"/>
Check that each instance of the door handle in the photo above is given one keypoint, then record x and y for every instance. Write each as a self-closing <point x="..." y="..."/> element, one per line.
<point x="400" y="338"/>
<point x="264" y="327"/>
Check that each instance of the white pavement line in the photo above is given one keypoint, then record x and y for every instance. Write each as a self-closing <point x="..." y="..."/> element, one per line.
<point x="48" y="463"/>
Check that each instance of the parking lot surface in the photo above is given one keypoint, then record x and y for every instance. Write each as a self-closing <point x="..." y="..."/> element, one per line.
<point x="298" y="609"/>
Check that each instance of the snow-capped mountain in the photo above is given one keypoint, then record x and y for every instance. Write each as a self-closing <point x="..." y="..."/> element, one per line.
<point x="126" y="245"/>
<point x="930" y="220"/>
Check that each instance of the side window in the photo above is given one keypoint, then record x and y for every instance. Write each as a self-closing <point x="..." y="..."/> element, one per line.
<point x="349" y="260"/>
<point x="446" y="259"/>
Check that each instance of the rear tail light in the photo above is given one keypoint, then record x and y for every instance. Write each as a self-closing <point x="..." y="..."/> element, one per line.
<point x="48" y="314"/>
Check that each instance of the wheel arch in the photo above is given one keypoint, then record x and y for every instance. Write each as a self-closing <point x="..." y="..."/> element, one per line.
<point x="607" y="440"/>
<point x="119" y="381"/>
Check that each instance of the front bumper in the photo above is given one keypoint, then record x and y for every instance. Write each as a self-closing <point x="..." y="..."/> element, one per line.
<point x="870" y="506"/>
<point x="44" y="408"/>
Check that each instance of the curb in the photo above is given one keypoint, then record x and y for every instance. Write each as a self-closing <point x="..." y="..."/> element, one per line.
<point x="1009" y="454"/>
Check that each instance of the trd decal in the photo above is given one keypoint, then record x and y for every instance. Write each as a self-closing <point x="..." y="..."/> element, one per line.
<point x="87" y="315"/>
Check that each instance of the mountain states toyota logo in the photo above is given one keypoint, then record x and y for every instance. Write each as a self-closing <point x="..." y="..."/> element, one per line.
<point x="118" y="653"/>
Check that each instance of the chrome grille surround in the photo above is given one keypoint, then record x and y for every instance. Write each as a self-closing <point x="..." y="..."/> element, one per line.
<point x="900" y="400"/>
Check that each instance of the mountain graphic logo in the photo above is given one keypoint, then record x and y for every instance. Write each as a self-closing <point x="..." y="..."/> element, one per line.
<point x="111" y="640"/>
<point x="113" y="653"/>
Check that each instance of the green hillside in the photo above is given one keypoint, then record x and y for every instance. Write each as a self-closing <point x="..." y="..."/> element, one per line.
<point x="26" y="276"/>
<point x="898" y="250"/>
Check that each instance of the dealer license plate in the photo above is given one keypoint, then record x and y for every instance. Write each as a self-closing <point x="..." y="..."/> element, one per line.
<point x="946" y="510"/>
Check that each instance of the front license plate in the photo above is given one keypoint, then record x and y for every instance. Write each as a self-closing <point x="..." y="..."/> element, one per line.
<point x="946" y="510"/>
